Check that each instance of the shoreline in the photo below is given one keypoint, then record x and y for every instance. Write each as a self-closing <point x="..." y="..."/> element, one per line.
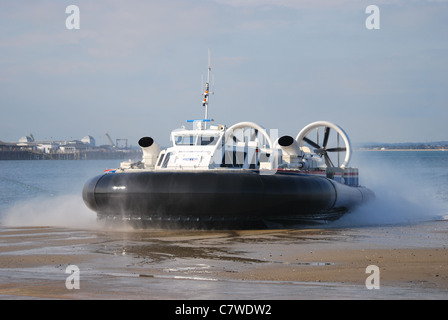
<point x="394" y="150"/>
<point x="168" y="264"/>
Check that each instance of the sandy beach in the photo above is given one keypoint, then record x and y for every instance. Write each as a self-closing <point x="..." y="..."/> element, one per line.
<point x="312" y="263"/>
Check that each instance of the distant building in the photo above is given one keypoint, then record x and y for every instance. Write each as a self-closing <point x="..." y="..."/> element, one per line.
<point x="47" y="147"/>
<point x="88" y="140"/>
<point x="74" y="146"/>
<point x="26" y="139"/>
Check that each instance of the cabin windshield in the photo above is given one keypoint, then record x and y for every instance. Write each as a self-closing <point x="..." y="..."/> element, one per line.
<point x="185" y="140"/>
<point x="196" y="139"/>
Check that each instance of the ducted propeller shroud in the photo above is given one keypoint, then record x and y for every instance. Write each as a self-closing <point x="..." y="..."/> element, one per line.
<point x="331" y="152"/>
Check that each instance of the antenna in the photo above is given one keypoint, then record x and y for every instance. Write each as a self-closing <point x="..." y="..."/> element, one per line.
<point x="207" y="88"/>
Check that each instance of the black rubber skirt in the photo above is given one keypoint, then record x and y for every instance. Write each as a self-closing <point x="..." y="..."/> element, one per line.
<point x="214" y="198"/>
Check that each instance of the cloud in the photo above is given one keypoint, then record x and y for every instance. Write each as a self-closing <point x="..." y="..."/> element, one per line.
<point x="303" y="4"/>
<point x="312" y="59"/>
<point x="110" y="31"/>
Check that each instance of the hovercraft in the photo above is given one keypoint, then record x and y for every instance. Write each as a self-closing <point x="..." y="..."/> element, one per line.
<point x="237" y="177"/>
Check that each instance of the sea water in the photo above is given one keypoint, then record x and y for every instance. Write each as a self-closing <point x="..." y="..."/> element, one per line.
<point x="47" y="192"/>
<point x="410" y="186"/>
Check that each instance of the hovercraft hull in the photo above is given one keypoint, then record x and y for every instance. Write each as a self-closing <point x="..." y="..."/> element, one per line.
<point x="216" y="198"/>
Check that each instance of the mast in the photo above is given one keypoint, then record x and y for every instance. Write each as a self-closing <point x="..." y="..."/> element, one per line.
<point x="207" y="90"/>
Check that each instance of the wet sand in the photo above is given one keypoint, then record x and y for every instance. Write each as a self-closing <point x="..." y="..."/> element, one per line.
<point x="312" y="263"/>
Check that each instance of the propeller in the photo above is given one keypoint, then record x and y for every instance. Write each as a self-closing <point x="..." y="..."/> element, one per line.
<point x="324" y="150"/>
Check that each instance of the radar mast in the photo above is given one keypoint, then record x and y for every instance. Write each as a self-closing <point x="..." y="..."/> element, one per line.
<point x="207" y="92"/>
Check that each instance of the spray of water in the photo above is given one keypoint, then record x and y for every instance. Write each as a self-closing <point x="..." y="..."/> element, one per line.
<point x="402" y="196"/>
<point x="59" y="211"/>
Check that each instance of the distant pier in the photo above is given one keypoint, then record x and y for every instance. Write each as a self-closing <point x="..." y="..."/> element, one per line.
<point x="85" y="149"/>
<point x="79" y="155"/>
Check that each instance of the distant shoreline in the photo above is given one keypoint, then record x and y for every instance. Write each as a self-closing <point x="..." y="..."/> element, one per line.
<point x="385" y="150"/>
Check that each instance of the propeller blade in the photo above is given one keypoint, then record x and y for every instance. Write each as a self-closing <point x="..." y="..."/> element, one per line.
<point x="328" y="160"/>
<point x="254" y="135"/>
<point x="340" y="149"/>
<point x="326" y="135"/>
<point x="312" y="143"/>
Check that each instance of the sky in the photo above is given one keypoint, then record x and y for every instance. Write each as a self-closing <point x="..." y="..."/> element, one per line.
<point x="134" y="68"/>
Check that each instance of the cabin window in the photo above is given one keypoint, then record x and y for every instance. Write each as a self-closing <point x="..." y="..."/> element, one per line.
<point x="192" y="140"/>
<point x="208" y="140"/>
<point x="184" y="140"/>
<point x="167" y="158"/>
<point x="160" y="159"/>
